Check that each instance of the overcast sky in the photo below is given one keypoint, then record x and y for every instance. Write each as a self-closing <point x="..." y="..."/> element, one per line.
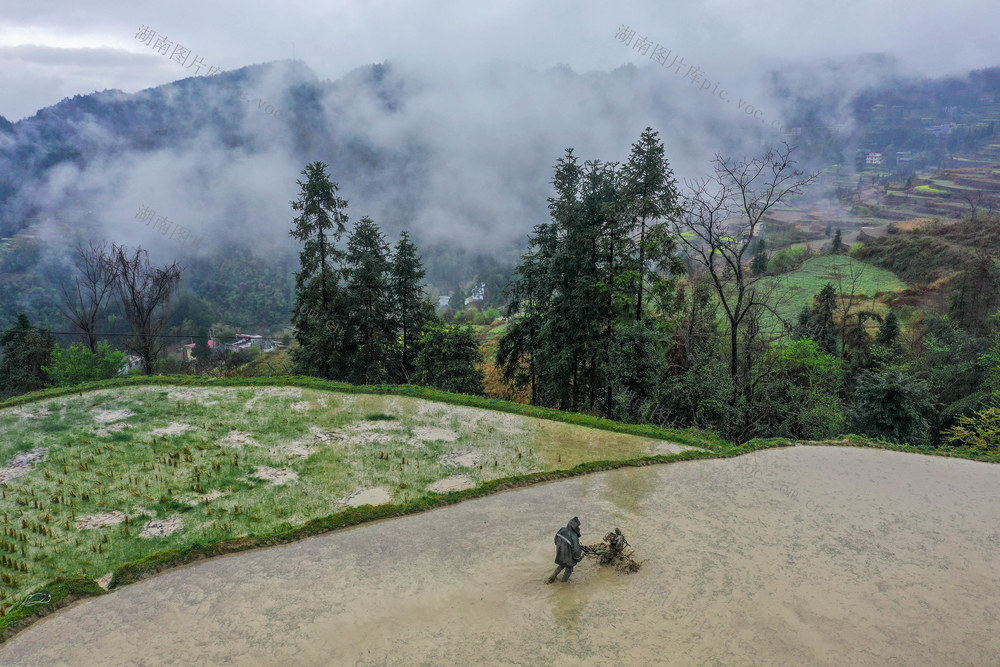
<point x="55" y="49"/>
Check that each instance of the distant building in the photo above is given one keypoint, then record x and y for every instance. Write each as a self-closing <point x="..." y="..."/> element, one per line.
<point x="132" y="362"/>
<point x="987" y="98"/>
<point x="189" y="349"/>
<point x="247" y="341"/>
<point x="873" y="158"/>
<point x="477" y="293"/>
<point x="943" y="130"/>
<point x="444" y="301"/>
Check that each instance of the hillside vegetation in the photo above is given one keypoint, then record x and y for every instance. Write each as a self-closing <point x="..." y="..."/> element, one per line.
<point x="934" y="250"/>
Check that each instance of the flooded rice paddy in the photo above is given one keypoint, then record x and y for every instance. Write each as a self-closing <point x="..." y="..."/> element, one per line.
<point x="809" y="555"/>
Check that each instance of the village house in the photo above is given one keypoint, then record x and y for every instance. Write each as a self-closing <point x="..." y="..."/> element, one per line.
<point x="249" y="341"/>
<point x="132" y="362"/>
<point x="477" y="293"/>
<point x="189" y="349"/>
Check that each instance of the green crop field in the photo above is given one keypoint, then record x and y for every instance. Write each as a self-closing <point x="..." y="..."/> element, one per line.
<point x="797" y="289"/>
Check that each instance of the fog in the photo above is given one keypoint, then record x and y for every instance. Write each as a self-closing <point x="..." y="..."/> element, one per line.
<point x="455" y="137"/>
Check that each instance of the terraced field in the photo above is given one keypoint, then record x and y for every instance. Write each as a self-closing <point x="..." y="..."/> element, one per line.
<point x="870" y="284"/>
<point x="92" y="481"/>
<point x="943" y="194"/>
<point x="792" y="556"/>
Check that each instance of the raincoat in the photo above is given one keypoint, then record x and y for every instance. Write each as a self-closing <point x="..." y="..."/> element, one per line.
<point x="568" y="549"/>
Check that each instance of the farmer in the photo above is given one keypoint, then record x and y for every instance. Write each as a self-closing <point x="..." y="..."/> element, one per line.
<point x="568" y="549"/>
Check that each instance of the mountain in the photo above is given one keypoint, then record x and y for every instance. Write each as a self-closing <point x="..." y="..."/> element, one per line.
<point x="463" y="162"/>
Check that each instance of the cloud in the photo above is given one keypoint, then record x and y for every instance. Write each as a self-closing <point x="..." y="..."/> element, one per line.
<point x="461" y="160"/>
<point x="732" y="40"/>
<point x="33" y="54"/>
<point x="456" y="138"/>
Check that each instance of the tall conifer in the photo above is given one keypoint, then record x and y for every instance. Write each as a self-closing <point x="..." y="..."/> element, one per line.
<point x="412" y="310"/>
<point x="369" y="305"/>
<point x="318" y="312"/>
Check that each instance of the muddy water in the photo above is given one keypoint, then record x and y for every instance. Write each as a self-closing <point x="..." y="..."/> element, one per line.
<point x="806" y="555"/>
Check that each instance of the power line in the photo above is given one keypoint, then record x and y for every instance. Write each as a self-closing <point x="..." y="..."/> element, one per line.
<point x="850" y="327"/>
<point x="789" y="330"/>
<point x="838" y="329"/>
<point x="102" y="335"/>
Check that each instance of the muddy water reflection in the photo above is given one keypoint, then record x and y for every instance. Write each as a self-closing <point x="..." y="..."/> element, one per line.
<point x="805" y="555"/>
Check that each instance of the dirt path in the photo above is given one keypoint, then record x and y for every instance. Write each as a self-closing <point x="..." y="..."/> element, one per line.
<point x="810" y="555"/>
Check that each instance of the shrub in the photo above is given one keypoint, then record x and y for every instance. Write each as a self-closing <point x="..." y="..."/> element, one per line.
<point x="980" y="431"/>
<point x="893" y="406"/>
<point x="800" y="396"/>
<point x="698" y="396"/>
<point x="26" y="352"/>
<point x="449" y="359"/>
<point x="272" y="364"/>
<point x="788" y="259"/>
<point x="635" y="359"/>
<point x="78" y="364"/>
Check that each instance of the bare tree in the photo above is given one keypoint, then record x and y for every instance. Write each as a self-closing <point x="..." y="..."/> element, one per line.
<point x="145" y="292"/>
<point x="976" y="199"/>
<point x="849" y="295"/>
<point x="722" y="216"/>
<point x="85" y="298"/>
<point x="976" y="294"/>
<point x="852" y="316"/>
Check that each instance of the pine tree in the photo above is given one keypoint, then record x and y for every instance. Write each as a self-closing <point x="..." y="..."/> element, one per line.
<point x="759" y="263"/>
<point x="823" y="326"/>
<point x="650" y="194"/>
<point x="838" y="243"/>
<point x="412" y="310"/>
<point x="888" y="331"/>
<point x="818" y="322"/>
<point x="369" y="305"/>
<point x="574" y="308"/>
<point x="586" y="273"/>
<point x="804" y="327"/>
<point x="597" y="270"/>
<point x="457" y="300"/>
<point x="599" y="263"/>
<point x="528" y="298"/>
<point x="318" y="313"/>
<point x="26" y="351"/>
